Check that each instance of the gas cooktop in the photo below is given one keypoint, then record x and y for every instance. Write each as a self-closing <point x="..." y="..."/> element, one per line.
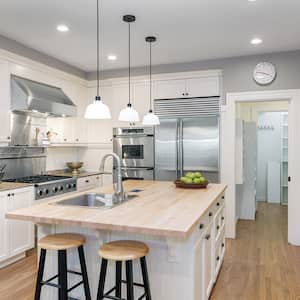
<point x="48" y="185"/>
<point x="37" y="179"/>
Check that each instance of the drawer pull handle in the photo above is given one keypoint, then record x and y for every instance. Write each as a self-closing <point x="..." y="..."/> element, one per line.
<point x="201" y="226"/>
<point x="218" y="258"/>
<point x="207" y="236"/>
<point x="210" y="214"/>
<point x="87" y="181"/>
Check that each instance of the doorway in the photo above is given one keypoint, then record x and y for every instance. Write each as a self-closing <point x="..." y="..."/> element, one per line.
<point x="228" y="155"/>
<point x="262" y="131"/>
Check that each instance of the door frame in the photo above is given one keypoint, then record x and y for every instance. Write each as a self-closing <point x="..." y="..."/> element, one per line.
<point x="227" y="140"/>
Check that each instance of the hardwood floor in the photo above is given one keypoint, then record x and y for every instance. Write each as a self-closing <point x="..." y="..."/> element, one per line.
<point x="259" y="264"/>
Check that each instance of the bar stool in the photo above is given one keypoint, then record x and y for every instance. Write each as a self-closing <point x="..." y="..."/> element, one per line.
<point x="123" y="251"/>
<point x="61" y="242"/>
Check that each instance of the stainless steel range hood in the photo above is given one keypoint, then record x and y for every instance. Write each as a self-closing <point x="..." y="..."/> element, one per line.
<point x="37" y="98"/>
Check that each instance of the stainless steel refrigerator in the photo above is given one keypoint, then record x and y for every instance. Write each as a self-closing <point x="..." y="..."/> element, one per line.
<point x="187" y="144"/>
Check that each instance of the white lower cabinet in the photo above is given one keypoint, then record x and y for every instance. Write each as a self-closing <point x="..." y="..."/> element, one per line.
<point x="207" y="261"/>
<point x="16" y="236"/>
<point x="209" y="249"/>
<point x="89" y="182"/>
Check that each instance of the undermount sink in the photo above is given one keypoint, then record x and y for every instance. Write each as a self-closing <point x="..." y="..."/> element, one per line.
<point x="94" y="200"/>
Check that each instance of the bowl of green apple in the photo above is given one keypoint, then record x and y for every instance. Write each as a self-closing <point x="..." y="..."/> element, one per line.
<point x="192" y="180"/>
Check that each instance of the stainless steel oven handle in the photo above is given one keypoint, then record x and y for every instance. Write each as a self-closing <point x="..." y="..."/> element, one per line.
<point x="139" y="169"/>
<point x="133" y="136"/>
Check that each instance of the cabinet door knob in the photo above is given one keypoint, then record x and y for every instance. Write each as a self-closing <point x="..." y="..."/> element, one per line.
<point x="182" y="94"/>
<point x="223" y="197"/>
<point x="207" y="236"/>
<point x="210" y="214"/>
<point x="218" y="258"/>
<point x="218" y="227"/>
<point x="218" y="204"/>
<point x="201" y="226"/>
<point x="223" y="245"/>
<point x="8" y="137"/>
<point x="12" y="194"/>
<point x="65" y="140"/>
<point x="222" y="218"/>
<point x="187" y="94"/>
<point x="8" y="195"/>
<point x="87" y="181"/>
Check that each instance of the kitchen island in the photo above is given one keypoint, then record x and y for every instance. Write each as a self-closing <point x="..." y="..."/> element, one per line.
<point x="184" y="229"/>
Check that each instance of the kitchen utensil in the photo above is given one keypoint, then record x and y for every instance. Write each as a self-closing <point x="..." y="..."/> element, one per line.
<point x="75" y="166"/>
<point x="180" y="184"/>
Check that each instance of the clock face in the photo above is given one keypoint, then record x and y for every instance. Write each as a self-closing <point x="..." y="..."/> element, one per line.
<point x="264" y="73"/>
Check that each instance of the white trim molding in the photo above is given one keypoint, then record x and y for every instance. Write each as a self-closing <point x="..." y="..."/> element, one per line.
<point x="228" y="116"/>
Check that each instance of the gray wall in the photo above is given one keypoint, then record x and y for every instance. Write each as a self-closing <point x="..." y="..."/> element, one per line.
<point x="22" y="50"/>
<point x="237" y="71"/>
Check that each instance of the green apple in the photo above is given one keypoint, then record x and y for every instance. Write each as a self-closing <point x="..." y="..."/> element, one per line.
<point x="189" y="175"/>
<point x="197" y="174"/>
<point x="189" y="180"/>
<point x="202" y="179"/>
<point x="196" y="180"/>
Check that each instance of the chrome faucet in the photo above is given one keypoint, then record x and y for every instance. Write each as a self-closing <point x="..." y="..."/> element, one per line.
<point x="119" y="194"/>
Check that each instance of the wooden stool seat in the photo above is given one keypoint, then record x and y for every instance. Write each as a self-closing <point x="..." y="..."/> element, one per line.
<point x="61" y="241"/>
<point x="123" y="250"/>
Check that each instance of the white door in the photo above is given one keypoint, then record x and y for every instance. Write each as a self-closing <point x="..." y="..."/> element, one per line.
<point x="207" y="261"/>
<point x="4" y="251"/>
<point x="170" y="89"/>
<point x="21" y="233"/>
<point x="203" y="87"/>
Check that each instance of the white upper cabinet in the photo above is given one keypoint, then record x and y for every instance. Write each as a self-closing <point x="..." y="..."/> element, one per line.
<point x="5" y="102"/>
<point x="169" y="89"/>
<point x="205" y="86"/>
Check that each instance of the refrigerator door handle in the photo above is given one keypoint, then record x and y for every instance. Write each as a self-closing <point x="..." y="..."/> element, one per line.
<point x="177" y="149"/>
<point x="181" y="163"/>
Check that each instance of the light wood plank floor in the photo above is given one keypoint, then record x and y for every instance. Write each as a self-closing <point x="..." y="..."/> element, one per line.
<point x="259" y="264"/>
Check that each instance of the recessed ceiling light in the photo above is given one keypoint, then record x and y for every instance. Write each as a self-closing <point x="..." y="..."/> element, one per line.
<point x="251" y="0"/>
<point x="62" y="28"/>
<point x="112" y="57"/>
<point x="256" y="41"/>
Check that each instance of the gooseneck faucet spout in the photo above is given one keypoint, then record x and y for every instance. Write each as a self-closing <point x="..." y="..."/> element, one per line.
<point x="118" y="187"/>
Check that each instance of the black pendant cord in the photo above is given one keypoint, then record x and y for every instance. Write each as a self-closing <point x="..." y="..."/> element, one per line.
<point x="150" y="54"/>
<point x="98" y="50"/>
<point x="129" y="63"/>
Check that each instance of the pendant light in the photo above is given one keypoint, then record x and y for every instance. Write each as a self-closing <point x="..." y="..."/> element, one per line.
<point x="129" y="114"/>
<point x="150" y="118"/>
<point x="97" y="110"/>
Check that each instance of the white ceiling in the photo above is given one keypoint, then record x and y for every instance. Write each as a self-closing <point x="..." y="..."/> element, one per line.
<point x="187" y="30"/>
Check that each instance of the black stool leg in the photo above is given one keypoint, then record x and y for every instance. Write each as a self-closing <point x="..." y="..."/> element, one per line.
<point x="129" y="279"/>
<point x="119" y="279"/>
<point x="84" y="273"/>
<point x="102" y="279"/>
<point x="40" y="274"/>
<point x="62" y="275"/>
<point x="145" y="278"/>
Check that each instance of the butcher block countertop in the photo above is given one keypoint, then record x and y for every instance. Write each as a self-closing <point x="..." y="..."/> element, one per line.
<point x="6" y="186"/>
<point x="159" y="210"/>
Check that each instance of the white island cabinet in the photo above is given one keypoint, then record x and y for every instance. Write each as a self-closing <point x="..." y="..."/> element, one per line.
<point x="16" y="236"/>
<point x="183" y="229"/>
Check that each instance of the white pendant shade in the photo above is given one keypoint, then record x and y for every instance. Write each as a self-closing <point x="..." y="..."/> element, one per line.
<point x="151" y="119"/>
<point x="129" y="114"/>
<point x="97" y="111"/>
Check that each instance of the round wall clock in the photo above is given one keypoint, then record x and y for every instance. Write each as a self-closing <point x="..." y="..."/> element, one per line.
<point x="264" y="73"/>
